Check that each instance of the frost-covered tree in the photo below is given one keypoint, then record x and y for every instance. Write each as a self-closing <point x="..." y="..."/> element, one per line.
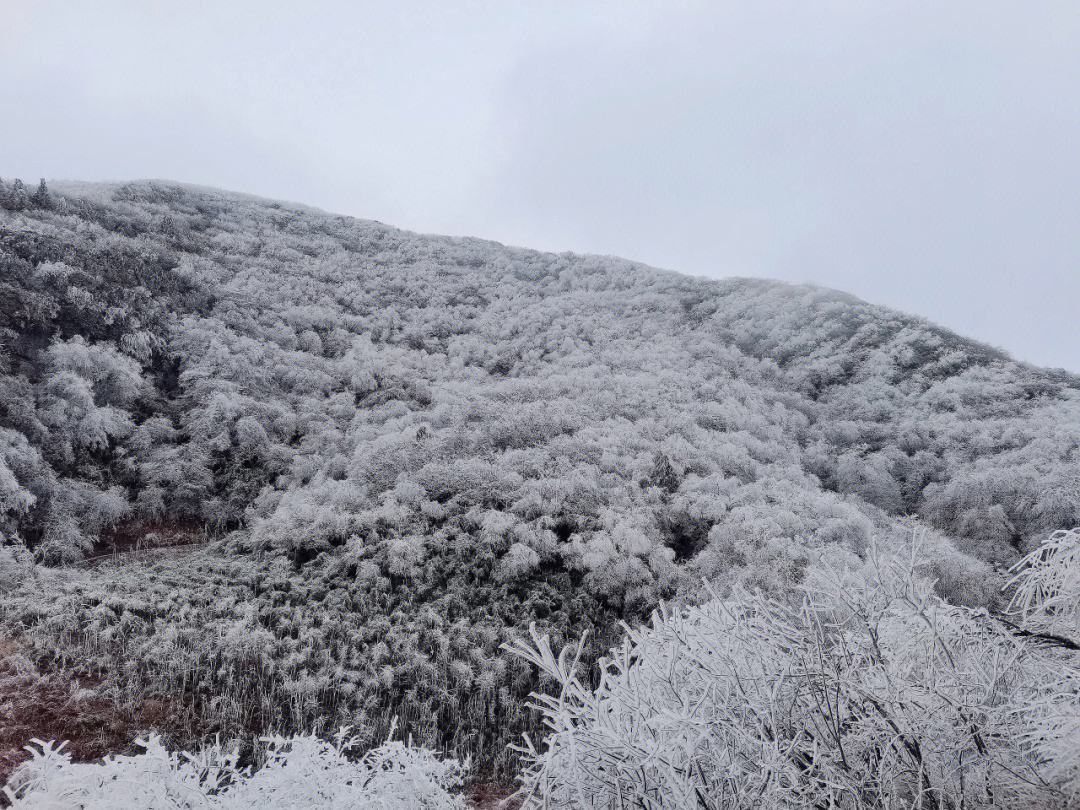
<point x="18" y="199"/>
<point x="41" y="197"/>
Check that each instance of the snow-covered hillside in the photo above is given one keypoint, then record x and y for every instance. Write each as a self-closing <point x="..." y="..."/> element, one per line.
<point x="383" y="455"/>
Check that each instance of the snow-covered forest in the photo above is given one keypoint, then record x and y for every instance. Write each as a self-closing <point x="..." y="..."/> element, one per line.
<point x="266" y="470"/>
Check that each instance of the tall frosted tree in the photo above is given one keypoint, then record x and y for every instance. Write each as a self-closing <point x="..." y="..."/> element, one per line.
<point x="18" y="196"/>
<point x="41" y="197"/>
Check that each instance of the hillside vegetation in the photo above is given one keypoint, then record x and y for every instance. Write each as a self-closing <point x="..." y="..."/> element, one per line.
<point x="396" y="452"/>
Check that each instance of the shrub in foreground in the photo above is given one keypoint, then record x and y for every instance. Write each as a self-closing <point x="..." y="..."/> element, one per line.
<point x="300" y="771"/>
<point x="870" y="692"/>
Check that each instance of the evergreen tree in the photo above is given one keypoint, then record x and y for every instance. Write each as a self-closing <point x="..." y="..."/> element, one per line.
<point x="663" y="474"/>
<point x="41" y="197"/>
<point x="19" y="199"/>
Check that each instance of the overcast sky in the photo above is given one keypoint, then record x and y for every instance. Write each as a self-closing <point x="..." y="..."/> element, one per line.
<point x="920" y="155"/>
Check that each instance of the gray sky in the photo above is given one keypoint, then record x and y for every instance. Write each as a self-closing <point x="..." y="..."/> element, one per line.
<point x="920" y="155"/>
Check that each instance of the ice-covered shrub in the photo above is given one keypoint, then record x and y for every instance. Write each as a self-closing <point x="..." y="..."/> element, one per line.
<point x="1048" y="586"/>
<point x="300" y="771"/>
<point x="872" y="692"/>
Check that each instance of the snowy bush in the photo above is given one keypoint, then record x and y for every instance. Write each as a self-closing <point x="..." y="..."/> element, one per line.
<point x="1048" y="586"/>
<point x="872" y="692"/>
<point x="301" y="771"/>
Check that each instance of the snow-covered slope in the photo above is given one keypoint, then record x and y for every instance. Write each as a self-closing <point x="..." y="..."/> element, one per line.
<point x="411" y="446"/>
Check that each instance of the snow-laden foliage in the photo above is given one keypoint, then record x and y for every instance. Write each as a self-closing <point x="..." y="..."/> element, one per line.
<point x="414" y="446"/>
<point x="300" y="771"/>
<point x="1047" y="595"/>
<point x="312" y="378"/>
<point x="870" y="692"/>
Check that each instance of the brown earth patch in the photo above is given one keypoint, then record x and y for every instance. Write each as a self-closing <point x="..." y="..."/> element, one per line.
<point x="130" y="538"/>
<point x="487" y="796"/>
<point x="60" y="706"/>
